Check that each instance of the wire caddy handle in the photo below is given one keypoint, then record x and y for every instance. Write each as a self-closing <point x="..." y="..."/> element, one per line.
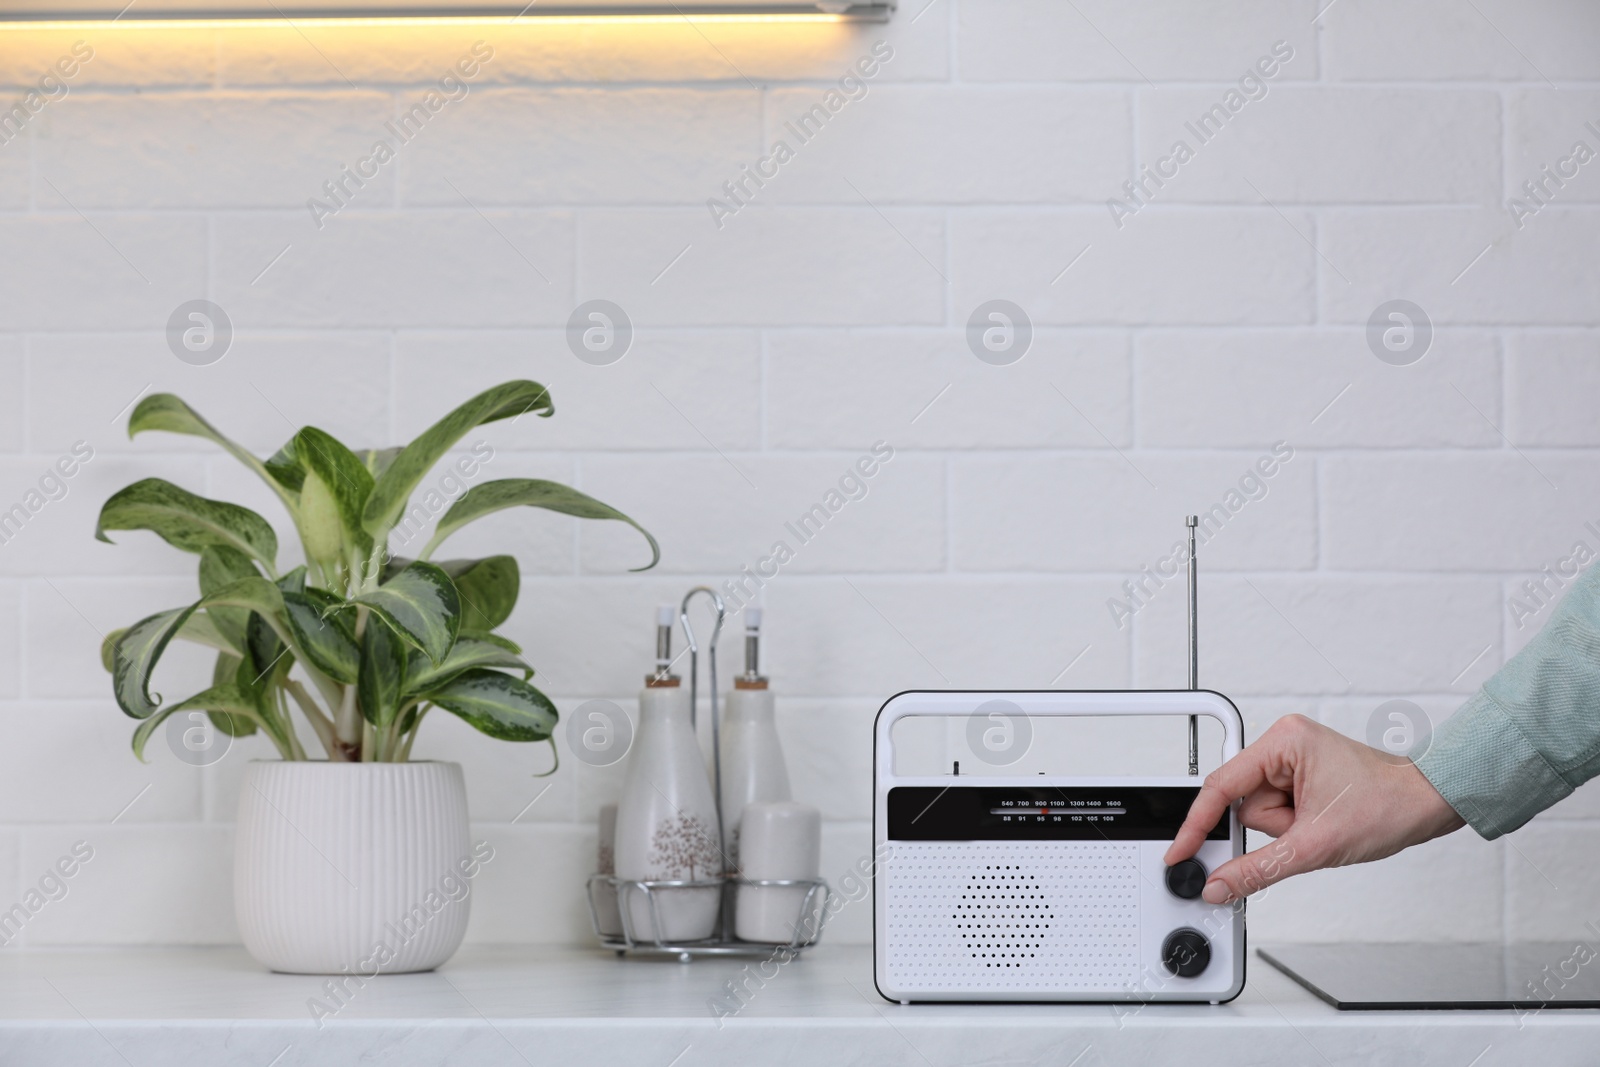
<point x="812" y="914"/>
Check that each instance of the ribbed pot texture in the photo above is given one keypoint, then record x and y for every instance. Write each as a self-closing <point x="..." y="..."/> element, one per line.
<point x="352" y="867"/>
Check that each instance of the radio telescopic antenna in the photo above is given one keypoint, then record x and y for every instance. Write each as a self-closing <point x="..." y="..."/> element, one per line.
<point x="1194" y="649"/>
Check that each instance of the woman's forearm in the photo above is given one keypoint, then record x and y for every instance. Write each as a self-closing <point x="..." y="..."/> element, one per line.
<point x="1532" y="733"/>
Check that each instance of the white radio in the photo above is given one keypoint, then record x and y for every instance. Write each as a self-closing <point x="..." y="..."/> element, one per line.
<point x="1051" y="887"/>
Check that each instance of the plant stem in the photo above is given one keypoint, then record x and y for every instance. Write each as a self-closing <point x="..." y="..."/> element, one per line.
<point x="347" y="726"/>
<point x="281" y="744"/>
<point x="348" y="722"/>
<point x="404" y="755"/>
<point x="320" y="723"/>
<point x="369" y="743"/>
<point x="332" y="691"/>
<point x="296" y="750"/>
<point x="372" y="574"/>
<point x="390" y="749"/>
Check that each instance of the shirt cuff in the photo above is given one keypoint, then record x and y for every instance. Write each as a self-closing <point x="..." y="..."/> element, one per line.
<point x="1486" y="770"/>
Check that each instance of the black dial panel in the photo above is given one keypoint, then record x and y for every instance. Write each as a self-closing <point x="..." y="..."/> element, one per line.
<point x="1041" y="813"/>
<point x="1186" y="953"/>
<point x="1186" y="879"/>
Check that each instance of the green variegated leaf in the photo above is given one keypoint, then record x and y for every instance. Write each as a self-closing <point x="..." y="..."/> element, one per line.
<point x="321" y="532"/>
<point x="227" y="672"/>
<point x="332" y="496"/>
<point x="220" y="566"/>
<point x="264" y="647"/>
<point x="259" y="595"/>
<point x="383" y="674"/>
<point x="394" y="487"/>
<point x="470" y="650"/>
<point x="186" y="521"/>
<point x="497" y="639"/>
<point x="491" y="497"/>
<point x="421" y="605"/>
<point x="327" y="603"/>
<point x="378" y="460"/>
<point x="226" y="699"/>
<point x="294" y="581"/>
<point x="260" y="685"/>
<point x="137" y="652"/>
<point x="488" y="588"/>
<point x="284" y="467"/>
<point x="264" y="638"/>
<point x="233" y="725"/>
<point x="408" y="718"/>
<point x="256" y="676"/>
<point x="202" y="629"/>
<point x="226" y="669"/>
<point x="108" y="649"/>
<point x="499" y="705"/>
<point x="163" y="411"/>
<point x="326" y="637"/>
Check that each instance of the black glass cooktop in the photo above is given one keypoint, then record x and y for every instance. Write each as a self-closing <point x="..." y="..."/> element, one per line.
<point x="1394" y="977"/>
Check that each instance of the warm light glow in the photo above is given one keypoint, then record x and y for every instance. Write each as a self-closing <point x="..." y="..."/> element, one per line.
<point x="813" y="18"/>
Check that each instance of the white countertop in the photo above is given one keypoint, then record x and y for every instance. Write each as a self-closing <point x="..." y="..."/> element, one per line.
<point x="518" y="1006"/>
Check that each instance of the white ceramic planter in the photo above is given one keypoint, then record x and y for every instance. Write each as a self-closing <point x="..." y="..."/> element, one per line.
<point x="352" y="867"/>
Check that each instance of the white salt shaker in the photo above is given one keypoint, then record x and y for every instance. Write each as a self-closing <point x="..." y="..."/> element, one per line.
<point x="779" y="840"/>
<point x="607" y="915"/>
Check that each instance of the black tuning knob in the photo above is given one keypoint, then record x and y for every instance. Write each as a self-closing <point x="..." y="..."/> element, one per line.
<point x="1185" y="953"/>
<point x="1186" y="879"/>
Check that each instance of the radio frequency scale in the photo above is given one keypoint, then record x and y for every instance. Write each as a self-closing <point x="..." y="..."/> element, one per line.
<point x="1051" y="888"/>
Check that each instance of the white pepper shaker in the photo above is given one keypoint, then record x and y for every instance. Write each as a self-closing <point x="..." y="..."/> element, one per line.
<point x="780" y="840"/>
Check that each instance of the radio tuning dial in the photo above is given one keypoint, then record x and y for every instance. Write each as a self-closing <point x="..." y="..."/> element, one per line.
<point x="1186" y="879"/>
<point x="1186" y="953"/>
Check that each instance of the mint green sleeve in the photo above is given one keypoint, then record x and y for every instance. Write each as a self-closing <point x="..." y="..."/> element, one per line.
<point x="1531" y="735"/>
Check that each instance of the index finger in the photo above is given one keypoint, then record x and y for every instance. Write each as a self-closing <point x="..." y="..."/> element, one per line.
<point x="1241" y="775"/>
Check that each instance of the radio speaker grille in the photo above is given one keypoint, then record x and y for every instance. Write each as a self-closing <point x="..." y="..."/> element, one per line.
<point x="989" y="915"/>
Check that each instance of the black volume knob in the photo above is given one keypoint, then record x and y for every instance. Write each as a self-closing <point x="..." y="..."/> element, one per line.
<point x="1185" y="953"/>
<point x="1186" y="879"/>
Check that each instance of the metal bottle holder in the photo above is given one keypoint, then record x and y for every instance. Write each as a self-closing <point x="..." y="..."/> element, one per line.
<point x="812" y="914"/>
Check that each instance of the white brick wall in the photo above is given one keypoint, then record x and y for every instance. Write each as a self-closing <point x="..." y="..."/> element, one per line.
<point x="1169" y="353"/>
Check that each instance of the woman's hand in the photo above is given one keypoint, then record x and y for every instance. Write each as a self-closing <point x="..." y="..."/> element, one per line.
<point x="1328" y="800"/>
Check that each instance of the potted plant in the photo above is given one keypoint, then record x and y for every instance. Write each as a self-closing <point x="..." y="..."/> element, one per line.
<point x="355" y="861"/>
